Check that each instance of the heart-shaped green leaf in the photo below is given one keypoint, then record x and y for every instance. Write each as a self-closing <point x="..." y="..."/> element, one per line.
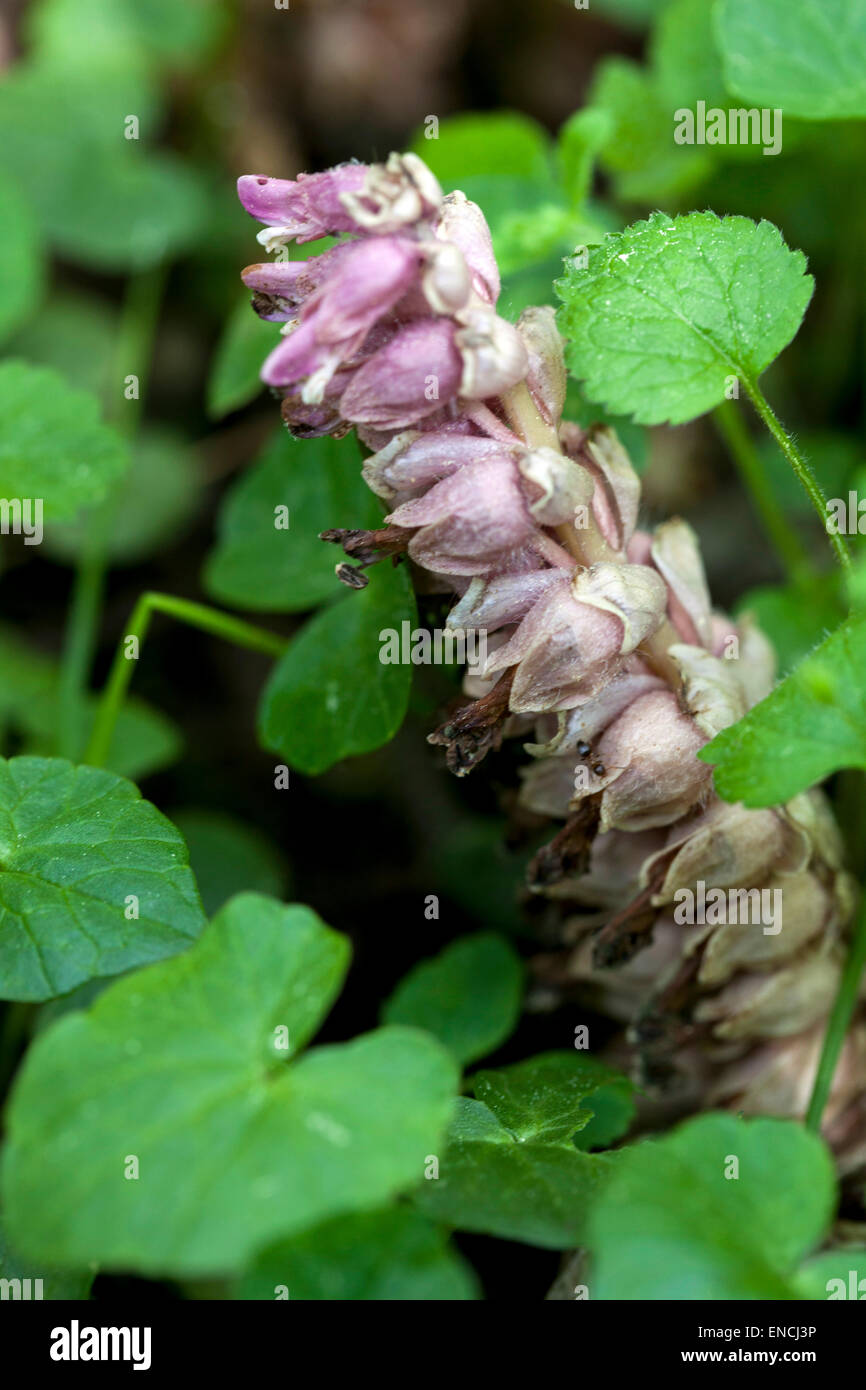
<point x="330" y="697"/>
<point x="175" y="1094"/>
<point x="468" y="997"/>
<point x="512" y="1166"/>
<point x="393" y="1254"/>
<point x="268" y="555"/>
<point x="722" y="1208"/>
<point x="93" y="879"/>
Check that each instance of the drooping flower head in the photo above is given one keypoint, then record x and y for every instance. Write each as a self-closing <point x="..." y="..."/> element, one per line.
<point x="605" y="654"/>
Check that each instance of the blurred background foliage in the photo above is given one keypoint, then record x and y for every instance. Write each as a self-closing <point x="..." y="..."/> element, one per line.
<point x="123" y="125"/>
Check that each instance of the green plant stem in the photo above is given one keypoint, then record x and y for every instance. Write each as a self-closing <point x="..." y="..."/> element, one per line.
<point x="79" y="643"/>
<point x="197" y="615"/>
<point x="839" y="1021"/>
<point x="784" y="537"/>
<point x="138" y="322"/>
<point x="800" y="465"/>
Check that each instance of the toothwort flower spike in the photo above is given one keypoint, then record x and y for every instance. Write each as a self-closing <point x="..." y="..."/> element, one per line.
<point x="715" y="933"/>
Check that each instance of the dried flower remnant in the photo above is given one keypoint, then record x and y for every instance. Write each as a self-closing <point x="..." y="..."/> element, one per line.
<point x="605" y="651"/>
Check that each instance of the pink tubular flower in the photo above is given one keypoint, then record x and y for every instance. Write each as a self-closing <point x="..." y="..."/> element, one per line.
<point x="405" y="305"/>
<point x="301" y="209"/>
<point x="406" y="379"/>
<point x="366" y="281"/>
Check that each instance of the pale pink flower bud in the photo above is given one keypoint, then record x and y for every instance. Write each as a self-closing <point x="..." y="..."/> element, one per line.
<point x="556" y="486"/>
<point x="810" y="812"/>
<point x="406" y="379"/>
<point x="756" y="662"/>
<point x="446" y="281"/>
<point x="620" y="993"/>
<point x="612" y="878"/>
<point x="547" y="786"/>
<point x="727" y="846"/>
<point x="494" y="357"/>
<point x="471" y="522"/>
<point x="414" y="460"/>
<point x="777" y="1079"/>
<point x="564" y="651"/>
<point x="633" y="593"/>
<point x="545" y="373"/>
<point x="807" y="910"/>
<point x="463" y="223"/>
<point x="495" y="603"/>
<point x="775" y="1005"/>
<point x="676" y="555"/>
<point x="652" y="749"/>
<point x="712" y="691"/>
<point x="591" y="717"/>
<point x="280" y="288"/>
<point x="619" y="484"/>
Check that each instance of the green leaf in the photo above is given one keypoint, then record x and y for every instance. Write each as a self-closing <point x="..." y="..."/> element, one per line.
<point x="543" y="230"/>
<point x="184" y="1067"/>
<point x="22" y="269"/>
<point x="540" y="1100"/>
<point x="141" y="209"/>
<point x="87" y="104"/>
<point x="477" y="141"/>
<point x="468" y="996"/>
<point x="393" y="1254"/>
<point x="53" y="445"/>
<point x="833" y="1275"/>
<point x="257" y="564"/>
<point x="228" y="856"/>
<point x="794" y="617"/>
<point x="100" y="197"/>
<point x="144" y="740"/>
<point x="812" y="724"/>
<point x="166" y="32"/>
<point x="330" y="697"/>
<point x="55" y="1284"/>
<point x="77" y="338"/>
<point x="76" y="844"/>
<point x="522" y="202"/>
<point x="640" y="153"/>
<point x="810" y="60"/>
<point x="511" y="1167"/>
<point x="685" y="64"/>
<point x="834" y="459"/>
<point x="578" y="144"/>
<point x="668" y="310"/>
<point x="151" y="505"/>
<point x="234" y="378"/>
<point x="476" y="869"/>
<point x="673" y="1223"/>
<point x="632" y="12"/>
